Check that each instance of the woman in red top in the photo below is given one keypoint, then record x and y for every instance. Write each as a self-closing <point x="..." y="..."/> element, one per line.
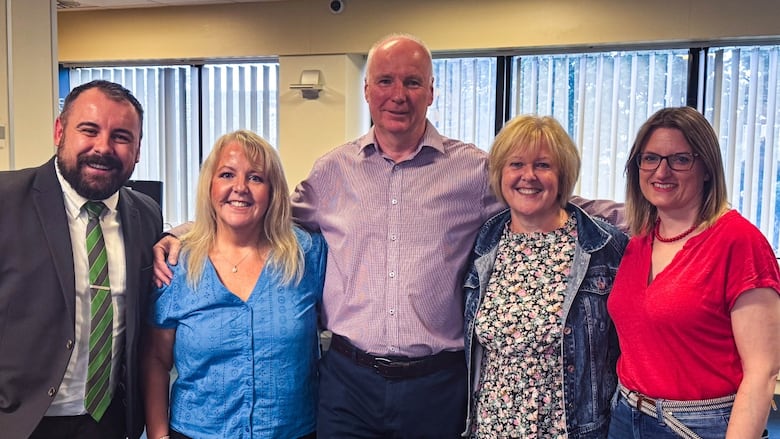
<point x="696" y="301"/>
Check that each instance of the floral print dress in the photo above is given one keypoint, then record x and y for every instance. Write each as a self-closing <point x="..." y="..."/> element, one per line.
<point x="520" y="391"/>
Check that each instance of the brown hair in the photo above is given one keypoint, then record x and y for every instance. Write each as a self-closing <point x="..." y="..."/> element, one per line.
<point x="641" y="214"/>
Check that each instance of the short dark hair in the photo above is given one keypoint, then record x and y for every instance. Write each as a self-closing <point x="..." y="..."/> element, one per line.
<point x="112" y="90"/>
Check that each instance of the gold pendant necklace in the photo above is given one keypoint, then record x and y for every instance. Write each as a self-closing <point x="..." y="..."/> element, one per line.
<point x="235" y="266"/>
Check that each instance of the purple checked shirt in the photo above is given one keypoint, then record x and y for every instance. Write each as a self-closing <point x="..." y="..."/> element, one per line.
<point x="398" y="238"/>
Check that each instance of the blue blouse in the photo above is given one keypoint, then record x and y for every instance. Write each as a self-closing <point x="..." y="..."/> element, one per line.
<point x="245" y="369"/>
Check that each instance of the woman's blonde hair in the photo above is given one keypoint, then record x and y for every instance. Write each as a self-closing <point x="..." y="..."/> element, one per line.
<point x="640" y="213"/>
<point x="529" y="133"/>
<point x="285" y="253"/>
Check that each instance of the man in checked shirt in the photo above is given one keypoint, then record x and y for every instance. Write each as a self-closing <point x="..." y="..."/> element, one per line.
<point x="399" y="208"/>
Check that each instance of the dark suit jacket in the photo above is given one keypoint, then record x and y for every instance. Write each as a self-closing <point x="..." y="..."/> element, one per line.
<point x="37" y="295"/>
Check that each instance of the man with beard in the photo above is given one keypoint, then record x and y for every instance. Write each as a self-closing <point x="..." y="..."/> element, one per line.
<point x="75" y="273"/>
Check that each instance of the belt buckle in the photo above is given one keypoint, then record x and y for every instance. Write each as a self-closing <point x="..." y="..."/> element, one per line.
<point x="640" y="399"/>
<point x="388" y="368"/>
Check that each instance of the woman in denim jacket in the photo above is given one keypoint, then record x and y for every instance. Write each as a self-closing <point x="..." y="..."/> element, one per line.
<point x="541" y="349"/>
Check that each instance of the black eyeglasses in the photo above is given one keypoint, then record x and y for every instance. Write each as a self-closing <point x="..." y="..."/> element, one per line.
<point x="682" y="161"/>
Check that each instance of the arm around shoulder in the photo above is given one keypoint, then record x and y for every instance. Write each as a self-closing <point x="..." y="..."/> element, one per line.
<point x="608" y="210"/>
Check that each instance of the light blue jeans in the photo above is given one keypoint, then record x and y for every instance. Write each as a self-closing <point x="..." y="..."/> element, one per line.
<point x="628" y="422"/>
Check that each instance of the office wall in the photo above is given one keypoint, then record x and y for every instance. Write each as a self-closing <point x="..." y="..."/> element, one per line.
<point x="304" y="34"/>
<point x="27" y="82"/>
<point x="306" y="27"/>
<point x="308" y="127"/>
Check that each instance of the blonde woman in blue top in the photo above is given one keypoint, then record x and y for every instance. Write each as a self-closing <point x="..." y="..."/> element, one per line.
<point x="239" y="319"/>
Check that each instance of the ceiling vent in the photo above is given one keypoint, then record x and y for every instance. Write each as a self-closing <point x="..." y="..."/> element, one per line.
<point x="68" y="4"/>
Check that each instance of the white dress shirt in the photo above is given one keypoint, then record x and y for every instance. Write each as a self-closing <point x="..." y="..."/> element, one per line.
<point x="69" y="400"/>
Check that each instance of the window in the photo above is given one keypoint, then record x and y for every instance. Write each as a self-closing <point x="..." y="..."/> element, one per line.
<point x="601" y="99"/>
<point x="464" y="99"/>
<point x="176" y="137"/>
<point x="741" y="102"/>
<point x="167" y="152"/>
<point x="240" y="96"/>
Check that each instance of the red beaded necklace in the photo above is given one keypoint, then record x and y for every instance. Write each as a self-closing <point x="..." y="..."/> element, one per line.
<point x="673" y="238"/>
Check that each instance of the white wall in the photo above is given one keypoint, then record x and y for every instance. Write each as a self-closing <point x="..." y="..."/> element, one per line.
<point x="309" y="127"/>
<point x="27" y="82"/>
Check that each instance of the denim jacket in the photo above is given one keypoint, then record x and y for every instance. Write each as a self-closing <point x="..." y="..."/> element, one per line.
<point x="589" y="345"/>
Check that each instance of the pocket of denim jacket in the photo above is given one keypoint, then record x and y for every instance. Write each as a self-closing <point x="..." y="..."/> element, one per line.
<point x="598" y="280"/>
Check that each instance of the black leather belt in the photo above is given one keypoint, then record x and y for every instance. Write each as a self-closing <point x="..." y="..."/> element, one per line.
<point x="398" y="367"/>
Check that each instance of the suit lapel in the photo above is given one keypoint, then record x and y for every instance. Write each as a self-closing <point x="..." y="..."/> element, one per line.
<point x="49" y="207"/>
<point x="131" y="234"/>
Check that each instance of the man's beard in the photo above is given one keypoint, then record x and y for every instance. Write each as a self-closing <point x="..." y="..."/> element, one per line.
<point x="93" y="188"/>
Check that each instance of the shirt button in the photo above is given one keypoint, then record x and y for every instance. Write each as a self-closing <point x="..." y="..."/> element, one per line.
<point x="52" y="391"/>
<point x="567" y="330"/>
<point x="394" y="201"/>
<point x="391" y="274"/>
<point x="393" y="237"/>
<point x="391" y="312"/>
<point x="69" y="345"/>
<point x="570" y="368"/>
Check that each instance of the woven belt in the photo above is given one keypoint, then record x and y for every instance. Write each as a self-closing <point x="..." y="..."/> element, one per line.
<point x="665" y="408"/>
<point x="398" y="367"/>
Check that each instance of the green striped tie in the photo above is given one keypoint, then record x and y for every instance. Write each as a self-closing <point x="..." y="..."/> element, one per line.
<point x="98" y="393"/>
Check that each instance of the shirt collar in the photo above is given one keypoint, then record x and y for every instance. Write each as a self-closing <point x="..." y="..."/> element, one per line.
<point x="431" y="138"/>
<point x="74" y="201"/>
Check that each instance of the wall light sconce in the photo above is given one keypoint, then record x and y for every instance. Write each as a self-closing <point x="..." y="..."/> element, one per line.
<point x="310" y="85"/>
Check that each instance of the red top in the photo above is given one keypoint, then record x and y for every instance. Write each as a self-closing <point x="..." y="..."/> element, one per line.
<point x="675" y="334"/>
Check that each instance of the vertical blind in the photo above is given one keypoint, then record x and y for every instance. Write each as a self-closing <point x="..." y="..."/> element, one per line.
<point x="168" y="146"/>
<point x="601" y="99"/>
<point x="741" y="101"/>
<point x="240" y="96"/>
<point x="176" y="138"/>
<point x="464" y="99"/>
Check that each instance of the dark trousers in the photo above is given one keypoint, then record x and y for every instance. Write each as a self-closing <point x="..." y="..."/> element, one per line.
<point x="176" y="435"/>
<point x="356" y="402"/>
<point x="111" y="426"/>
